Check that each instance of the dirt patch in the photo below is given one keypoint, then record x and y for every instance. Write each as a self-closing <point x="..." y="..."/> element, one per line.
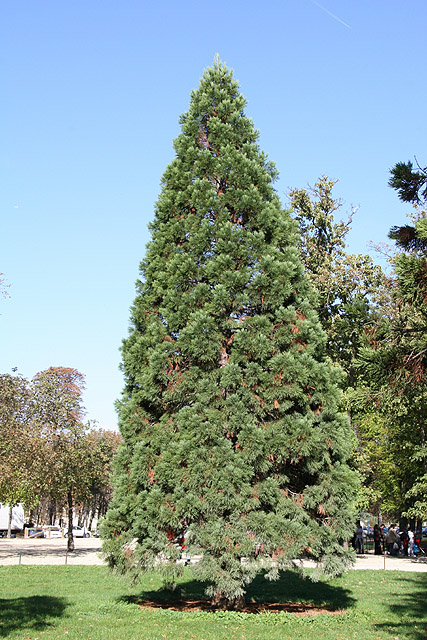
<point x="297" y="608"/>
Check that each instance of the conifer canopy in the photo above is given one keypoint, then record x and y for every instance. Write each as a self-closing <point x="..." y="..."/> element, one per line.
<point x="230" y="413"/>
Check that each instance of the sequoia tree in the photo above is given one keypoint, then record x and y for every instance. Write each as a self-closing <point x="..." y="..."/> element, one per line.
<point x="230" y="410"/>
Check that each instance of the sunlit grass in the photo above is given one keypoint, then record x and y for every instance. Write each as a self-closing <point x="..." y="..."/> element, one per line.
<point x="90" y="603"/>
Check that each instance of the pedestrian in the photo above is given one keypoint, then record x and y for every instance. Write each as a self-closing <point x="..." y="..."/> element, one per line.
<point x="359" y="537"/>
<point x="411" y="539"/>
<point x="404" y="538"/>
<point x="392" y="541"/>
<point x="378" y="540"/>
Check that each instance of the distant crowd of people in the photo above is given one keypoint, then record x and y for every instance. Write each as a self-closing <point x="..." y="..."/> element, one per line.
<point x="389" y="540"/>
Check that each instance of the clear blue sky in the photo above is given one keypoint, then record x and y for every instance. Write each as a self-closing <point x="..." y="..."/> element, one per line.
<point x="91" y="95"/>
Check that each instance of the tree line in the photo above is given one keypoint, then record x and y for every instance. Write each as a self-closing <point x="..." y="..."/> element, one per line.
<point x="48" y="454"/>
<point x="376" y="326"/>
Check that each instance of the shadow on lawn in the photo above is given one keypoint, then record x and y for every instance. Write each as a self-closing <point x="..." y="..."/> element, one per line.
<point x="32" y="613"/>
<point x="408" y="609"/>
<point x="291" y="593"/>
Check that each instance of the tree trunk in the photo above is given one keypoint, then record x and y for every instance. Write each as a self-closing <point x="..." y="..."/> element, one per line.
<point x="9" y="524"/>
<point x="423" y="442"/>
<point x="70" y="540"/>
<point x="52" y="512"/>
<point x="92" y="514"/>
<point x="234" y="604"/>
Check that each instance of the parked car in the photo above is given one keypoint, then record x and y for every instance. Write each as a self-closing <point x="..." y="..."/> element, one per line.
<point x="52" y="532"/>
<point x="78" y="532"/>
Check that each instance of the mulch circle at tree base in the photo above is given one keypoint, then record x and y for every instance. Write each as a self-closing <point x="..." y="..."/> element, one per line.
<point x="297" y="608"/>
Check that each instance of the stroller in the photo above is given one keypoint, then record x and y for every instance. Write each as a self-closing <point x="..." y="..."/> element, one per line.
<point x="417" y="548"/>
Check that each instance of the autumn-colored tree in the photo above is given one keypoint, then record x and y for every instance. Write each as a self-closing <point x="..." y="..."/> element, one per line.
<point x="23" y="453"/>
<point x="59" y="409"/>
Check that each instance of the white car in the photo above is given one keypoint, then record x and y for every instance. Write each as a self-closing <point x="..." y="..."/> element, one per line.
<point x="52" y="532"/>
<point x="78" y="532"/>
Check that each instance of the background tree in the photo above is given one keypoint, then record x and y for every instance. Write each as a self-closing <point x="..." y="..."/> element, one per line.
<point x="229" y="414"/>
<point x="395" y="365"/>
<point x="351" y="291"/>
<point x="22" y="453"/>
<point x="410" y="183"/>
<point x="59" y="410"/>
<point x="347" y="285"/>
<point x="102" y="447"/>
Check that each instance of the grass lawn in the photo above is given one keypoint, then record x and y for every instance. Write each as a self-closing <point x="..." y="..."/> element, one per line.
<point x="90" y="603"/>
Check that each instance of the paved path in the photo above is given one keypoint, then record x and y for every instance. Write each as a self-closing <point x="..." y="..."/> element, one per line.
<point x="45" y="551"/>
<point x="87" y="551"/>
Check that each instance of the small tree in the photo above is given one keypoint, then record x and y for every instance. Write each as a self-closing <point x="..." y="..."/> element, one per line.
<point x="229" y="415"/>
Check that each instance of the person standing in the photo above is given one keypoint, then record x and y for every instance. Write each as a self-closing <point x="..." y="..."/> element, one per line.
<point x="411" y="539"/>
<point x="359" y="538"/>
<point x="378" y="540"/>
<point x="404" y="539"/>
<point x="392" y="541"/>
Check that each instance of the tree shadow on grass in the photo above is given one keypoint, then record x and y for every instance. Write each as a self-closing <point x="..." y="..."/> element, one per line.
<point x="33" y="613"/>
<point x="291" y="592"/>
<point x="292" y="587"/>
<point x="408" y="610"/>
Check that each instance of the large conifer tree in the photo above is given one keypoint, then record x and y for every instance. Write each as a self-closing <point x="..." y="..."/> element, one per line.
<point x="230" y="411"/>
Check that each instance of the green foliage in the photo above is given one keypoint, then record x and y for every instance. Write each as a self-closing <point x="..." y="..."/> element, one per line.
<point x="22" y="452"/>
<point x="347" y="285"/>
<point x="410" y="183"/>
<point x="230" y="411"/>
<point x="394" y="366"/>
<point x="46" y="450"/>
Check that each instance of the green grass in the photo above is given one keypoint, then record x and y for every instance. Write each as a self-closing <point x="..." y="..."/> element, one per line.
<point x="89" y="603"/>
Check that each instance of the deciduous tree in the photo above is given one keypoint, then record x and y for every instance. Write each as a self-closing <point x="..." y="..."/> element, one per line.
<point x="59" y="410"/>
<point x="347" y="285"/>
<point x="22" y="452"/>
<point x="395" y="365"/>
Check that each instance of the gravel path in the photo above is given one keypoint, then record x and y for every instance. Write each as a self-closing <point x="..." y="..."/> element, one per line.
<point x="45" y="551"/>
<point x="87" y="551"/>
